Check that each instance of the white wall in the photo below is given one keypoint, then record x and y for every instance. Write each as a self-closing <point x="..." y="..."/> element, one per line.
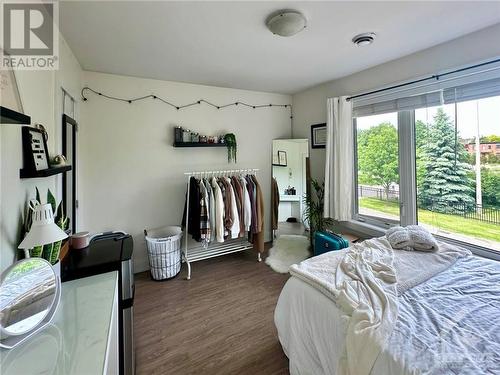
<point x="40" y="93"/>
<point x="309" y="107"/>
<point x="131" y="178"/>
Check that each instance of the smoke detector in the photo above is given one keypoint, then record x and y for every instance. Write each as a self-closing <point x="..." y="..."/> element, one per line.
<point x="286" y="22"/>
<point x="364" y="39"/>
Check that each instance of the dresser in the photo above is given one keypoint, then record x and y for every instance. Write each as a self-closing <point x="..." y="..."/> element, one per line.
<point x="82" y="338"/>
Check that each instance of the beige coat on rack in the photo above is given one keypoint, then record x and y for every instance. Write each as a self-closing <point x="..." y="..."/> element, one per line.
<point x="258" y="240"/>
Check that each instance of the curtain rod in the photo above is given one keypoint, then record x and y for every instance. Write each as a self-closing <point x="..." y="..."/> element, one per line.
<point x="435" y="76"/>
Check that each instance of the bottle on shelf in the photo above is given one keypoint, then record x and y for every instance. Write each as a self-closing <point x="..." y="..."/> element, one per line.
<point x="178" y="136"/>
<point x="186" y="135"/>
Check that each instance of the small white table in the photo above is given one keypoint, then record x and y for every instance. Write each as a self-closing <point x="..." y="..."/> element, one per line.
<point x="82" y="338"/>
<point x="289" y="207"/>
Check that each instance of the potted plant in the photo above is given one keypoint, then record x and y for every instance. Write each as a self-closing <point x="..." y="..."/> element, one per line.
<point x="313" y="211"/>
<point x="230" y="141"/>
<point x="49" y="252"/>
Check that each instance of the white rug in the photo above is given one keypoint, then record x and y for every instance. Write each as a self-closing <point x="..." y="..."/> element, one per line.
<point x="288" y="250"/>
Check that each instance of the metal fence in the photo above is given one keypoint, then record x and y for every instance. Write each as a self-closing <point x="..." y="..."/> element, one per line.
<point x="379" y="193"/>
<point x="466" y="210"/>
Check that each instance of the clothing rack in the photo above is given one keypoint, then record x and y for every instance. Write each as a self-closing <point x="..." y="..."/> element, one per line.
<point x="215" y="249"/>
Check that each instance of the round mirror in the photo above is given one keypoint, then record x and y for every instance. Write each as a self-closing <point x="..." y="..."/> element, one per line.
<point x="27" y="293"/>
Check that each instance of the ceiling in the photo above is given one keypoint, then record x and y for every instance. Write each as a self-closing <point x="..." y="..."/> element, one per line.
<point x="227" y="43"/>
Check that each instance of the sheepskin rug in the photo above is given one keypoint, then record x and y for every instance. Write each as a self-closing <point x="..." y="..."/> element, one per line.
<point x="288" y="250"/>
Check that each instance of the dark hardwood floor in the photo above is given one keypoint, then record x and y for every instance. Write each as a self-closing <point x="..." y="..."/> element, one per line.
<point x="219" y="322"/>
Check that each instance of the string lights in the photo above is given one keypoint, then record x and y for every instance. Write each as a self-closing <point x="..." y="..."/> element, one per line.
<point x="179" y="107"/>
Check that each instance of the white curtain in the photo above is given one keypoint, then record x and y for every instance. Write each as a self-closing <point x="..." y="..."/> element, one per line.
<point x="339" y="160"/>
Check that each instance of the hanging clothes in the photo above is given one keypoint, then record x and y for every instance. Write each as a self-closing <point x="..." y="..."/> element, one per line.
<point x="194" y="210"/>
<point x="204" y="215"/>
<point x="247" y="211"/>
<point x="258" y="238"/>
<point x="228" y="214"/>
<point x="275" y="198"/>
<point x="219" y="210"/>
<point x="225" y="207"/>
<point x="211" y="210"/>
<point x="235" y="225"/>
<point x="238" y="192"/>
<point x="252" y="192"/>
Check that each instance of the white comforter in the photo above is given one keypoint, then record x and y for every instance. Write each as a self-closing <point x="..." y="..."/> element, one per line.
<point x="439" y="329"/>
<point x="362" y="282"/>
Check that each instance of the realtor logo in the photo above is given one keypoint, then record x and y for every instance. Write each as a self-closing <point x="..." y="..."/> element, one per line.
<point x="30" y="35"/>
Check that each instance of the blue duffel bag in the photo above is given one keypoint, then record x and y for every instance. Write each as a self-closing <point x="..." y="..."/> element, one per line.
<point x="327" y="241"/>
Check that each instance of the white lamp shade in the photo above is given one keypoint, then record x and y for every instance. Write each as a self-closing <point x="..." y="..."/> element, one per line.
<point x="43" y="230"/>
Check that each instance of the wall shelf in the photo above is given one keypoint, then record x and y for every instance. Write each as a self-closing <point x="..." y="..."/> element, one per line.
<point x="198" y="144"/>
<point x="9" y="116"/>
<point x="25" y="173"/>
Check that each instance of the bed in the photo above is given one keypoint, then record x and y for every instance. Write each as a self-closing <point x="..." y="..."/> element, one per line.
<point x="448" y="324"/>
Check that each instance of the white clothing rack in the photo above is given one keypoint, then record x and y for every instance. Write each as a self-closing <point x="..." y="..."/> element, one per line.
<point x="214" y="249"/>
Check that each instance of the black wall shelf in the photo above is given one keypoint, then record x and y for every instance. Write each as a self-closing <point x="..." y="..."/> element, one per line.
<point x="198" y="144"/>
<point x="9" y="116"/>
<point x="24" y="173"/>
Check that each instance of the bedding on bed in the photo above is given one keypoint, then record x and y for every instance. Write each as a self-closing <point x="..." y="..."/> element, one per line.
<point x="364" y="281"/>
<point x="447" y="325"/>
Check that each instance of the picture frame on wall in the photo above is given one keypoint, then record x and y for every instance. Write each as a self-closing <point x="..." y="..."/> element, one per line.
<point x="9" y="91"/>
<point x="282" y="158"/>
<point x="36" y="155"/>
<point x="318" y="135"/>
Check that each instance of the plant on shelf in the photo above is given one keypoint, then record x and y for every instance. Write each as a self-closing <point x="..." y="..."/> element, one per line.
<point x="230" y="141"/>
<point x="49" y="252"/>
<point x="313" y="211"/>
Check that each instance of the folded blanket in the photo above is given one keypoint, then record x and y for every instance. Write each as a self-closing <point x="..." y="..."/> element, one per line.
<point x="412" y="237"/>
<point x="365" y="280"/>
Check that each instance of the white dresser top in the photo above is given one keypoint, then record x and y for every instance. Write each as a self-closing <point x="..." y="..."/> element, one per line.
<point x="76" y="340"/>
<point x="289" y="198"/>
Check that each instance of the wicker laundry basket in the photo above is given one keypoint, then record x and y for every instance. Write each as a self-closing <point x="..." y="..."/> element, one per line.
<point x="164" y="251"/>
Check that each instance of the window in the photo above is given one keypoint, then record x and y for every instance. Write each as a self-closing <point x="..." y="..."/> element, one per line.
<point x="458" y="188"/>
<point x="430" y="159"/>
<point x="378" y="171"/>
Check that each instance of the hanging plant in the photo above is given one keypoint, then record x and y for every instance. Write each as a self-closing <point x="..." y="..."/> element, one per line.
<point x="230" y="141"/>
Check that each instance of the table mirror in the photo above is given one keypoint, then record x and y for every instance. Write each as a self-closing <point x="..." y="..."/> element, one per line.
<point x="29" y="294"/>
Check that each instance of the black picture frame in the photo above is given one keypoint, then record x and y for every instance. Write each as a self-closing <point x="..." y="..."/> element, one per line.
<point x="30" y="155"/>
<point x="282" y="159"/>
<point x="315" y="129"/>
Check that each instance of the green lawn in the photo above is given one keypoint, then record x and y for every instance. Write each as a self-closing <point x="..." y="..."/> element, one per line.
<point x="449" y="223"/>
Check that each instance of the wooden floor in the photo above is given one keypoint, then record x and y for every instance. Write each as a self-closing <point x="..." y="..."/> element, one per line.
<point x="219" y="322"/>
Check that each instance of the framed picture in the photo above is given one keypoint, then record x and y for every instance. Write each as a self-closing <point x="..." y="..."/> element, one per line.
<point x="282" y="158"/>
<point x="35" y="151"/>
<point x="9" y="91"/>
<point x="318" y="136"/>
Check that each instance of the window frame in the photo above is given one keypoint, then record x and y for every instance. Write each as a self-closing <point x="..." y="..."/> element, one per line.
<point x="368" y="219"/>
<point x="364" y="224"/>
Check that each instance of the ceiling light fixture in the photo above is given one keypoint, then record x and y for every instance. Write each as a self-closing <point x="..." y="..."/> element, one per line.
<point x="364" y="39"/>
<point x="286" y="22"/>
